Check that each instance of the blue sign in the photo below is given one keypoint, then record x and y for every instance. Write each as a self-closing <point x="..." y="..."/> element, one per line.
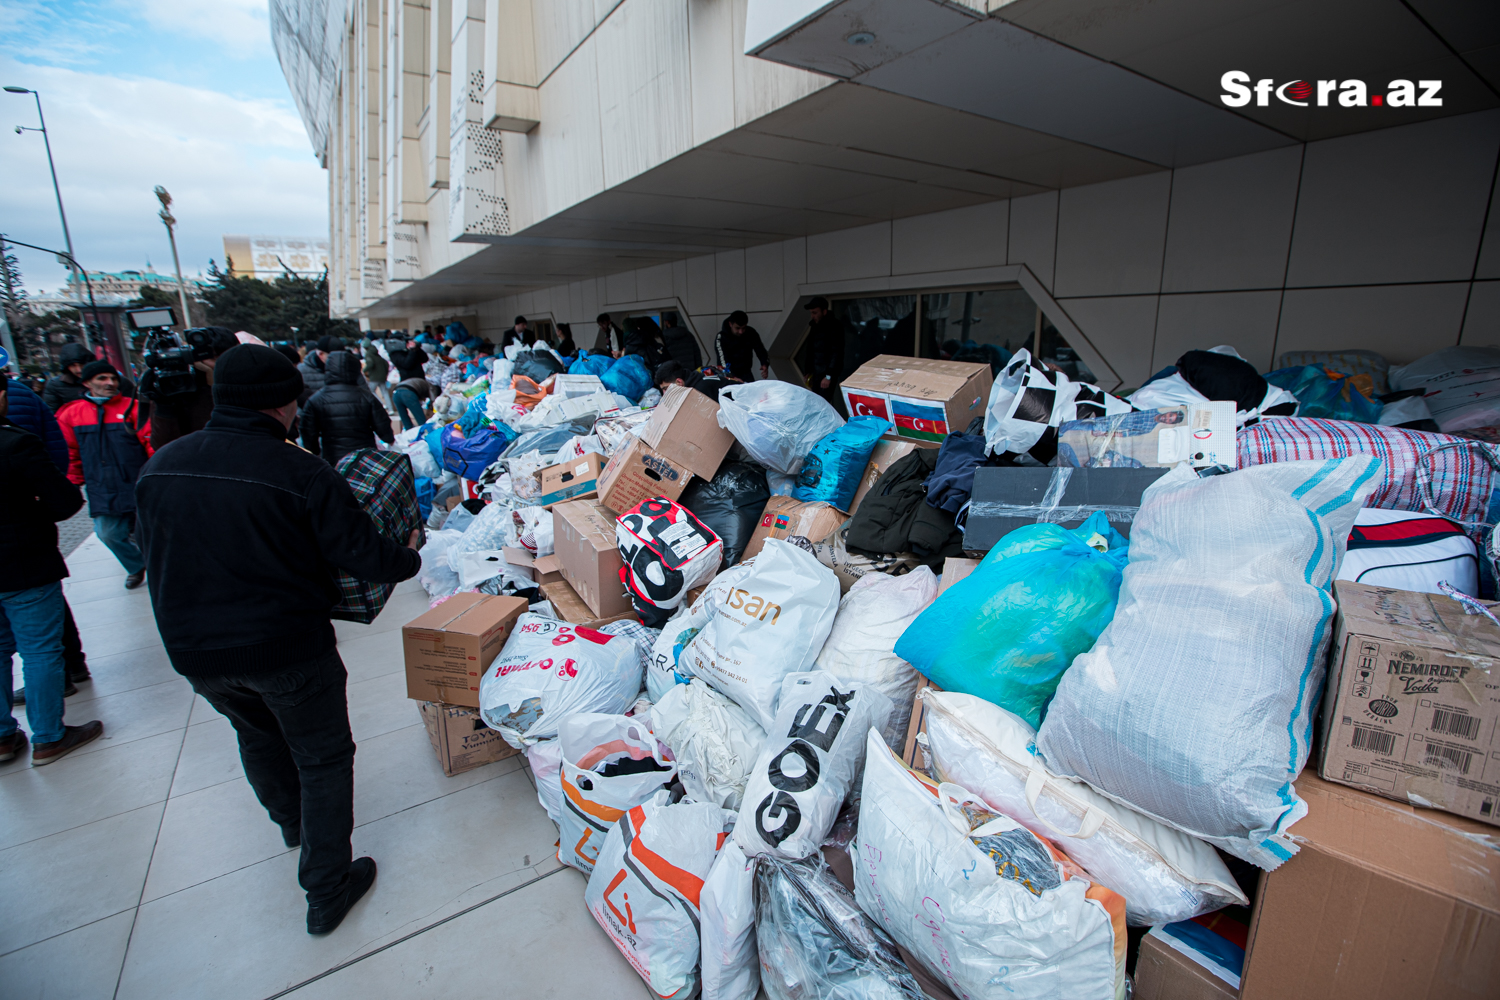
<point x="4" y="358"/>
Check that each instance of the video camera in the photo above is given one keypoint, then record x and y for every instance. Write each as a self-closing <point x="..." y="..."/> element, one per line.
<point x="169" y="356"/>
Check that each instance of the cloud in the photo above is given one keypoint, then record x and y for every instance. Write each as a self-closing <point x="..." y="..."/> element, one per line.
<point x="238" y="25"/>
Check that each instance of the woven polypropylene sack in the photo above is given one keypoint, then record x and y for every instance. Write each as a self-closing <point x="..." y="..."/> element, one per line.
<point x="383" y="484"/>
<point x="714" y="741"/>
<point x="1195" y="706"/>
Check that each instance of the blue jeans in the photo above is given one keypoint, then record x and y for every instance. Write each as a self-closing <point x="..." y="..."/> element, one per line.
<point x="408" y="408"/>
<point x="31" y="623"/>
<point x="114" y="531"/>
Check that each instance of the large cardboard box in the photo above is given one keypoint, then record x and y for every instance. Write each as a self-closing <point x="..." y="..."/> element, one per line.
<point x="1164" y="973"/>
<point x="541" y="571"/>
<point x="886" y="454"/>
<point x="1413" y="701"/>
<point x="583" y="532"/>
<point x="925" y="398"/>
<point x="461" y="739"/>
<point x="636" y="473"/>
<point x="785" y="517"/>
<point x="684" y="429"/>
<point x="571" y="609"/>
<point x="1005" y="499"/>
<point x="577" y="477"/>
<point x="1384" y="901"/>
<point x="448" y="647"/>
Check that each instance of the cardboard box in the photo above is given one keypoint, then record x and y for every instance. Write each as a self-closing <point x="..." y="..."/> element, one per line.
<point x="925" y="398"/>
<point x="541" y="571"/>
<point x="583" y="533"/>
<point x="684" y="429"/>
<point x="1413" y="701"/>
<point x="448" y="647"/>
<point x="571" y="608"/>
<point x="785" y="517"/>
<point x="886" y="454"/>
<point x="1162" y="972"/>
<point x="461" y="739"/>
<point x="1384" y="901"/>
<point x="1201" y="435"/>
<point x="637" y="473"/>
<point x="955" y="568"/>
<point x="997" y="490"/>
<point x="573" y="479"/>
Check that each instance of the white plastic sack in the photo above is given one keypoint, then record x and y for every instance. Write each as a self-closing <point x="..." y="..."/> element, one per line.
<point x="422" y="462"/>
<point x="777" y="422"/>
<point x="533" y="530"/>
<point x="918" y="874"/>
<point x="1410" y="550"/>
<point x="647" y="883"/>
<point x="1195" y="705"/>
<point x="813" y="752"/>
<point x="476" y="567"/>
<point x="1164" y="875"/>
<point x="1401" y="412"/>
<point x="436" y="576"/>
<point x="591" y="801"/>
<point x="713" y="740"/>
<point x="730" y="964"/>
<point x="545" y="759"/>
<point x="549" y="670"/>
<point x="662" y="670"/>
<point x="1174" y="390"/>
<point x="773" y="623"/>
<point x="1462" y="385"/>
<point x="861" y="646"/>
<point x="1025" y="400"/>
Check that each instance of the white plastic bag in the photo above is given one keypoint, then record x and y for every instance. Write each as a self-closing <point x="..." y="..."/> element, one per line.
<point x="813" y="752"/>
<point x="1462" y="385"/>
<point x="647" y="883"/>
<point x="549" y="670"/>
<point x="422" y="462"/>
<point x="545" y="759"/>
<point x="662" y="669"/>
<point x="1164" y="875"/>
<point x="436" y="576"/>
<point x="644" y="639"/>
<point x="1195" y="705"/>
<point x="1025" y="400"/>
<point x="730" y="964"/>
<point x="861" y="646"/>
<point x="1174" y="390"/>
<point x="714" y="741"/>
<point x="777" y="422"/>
<point x="772" y="623"/>
<point x="920" y="875"/>
<point x="592" y="802"/>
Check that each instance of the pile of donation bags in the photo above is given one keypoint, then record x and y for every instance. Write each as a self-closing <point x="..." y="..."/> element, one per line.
<point x="727" y="761"/>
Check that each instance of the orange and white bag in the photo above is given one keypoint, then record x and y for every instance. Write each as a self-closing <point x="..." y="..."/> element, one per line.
<point x="987" y="906"/>
<point x="593" y="800"/>
<point x="647" y="883"/>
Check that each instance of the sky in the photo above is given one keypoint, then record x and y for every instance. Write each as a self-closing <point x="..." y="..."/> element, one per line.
<point x="182" y="93"/>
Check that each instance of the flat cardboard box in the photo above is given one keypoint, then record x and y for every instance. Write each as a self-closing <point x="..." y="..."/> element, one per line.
<point x="448" y="647"/>
<point x="1383" y="901"/>
<point x="996" y="489"/>
<point x="540" y="571"/>
<point x="583" y="532"/>
<point x="637" y="473"/>
<point x="1164" y="973"/>
<point x="1413" y="702"/>
<point x="461" y="739"/>
<point x="571" y="608"/>
<point x="887" y="453"/>
<point x="684" y="429"/>
<point x="570" y="480"/>
<point x="925" y="398"/>
<point x="784" y="517"/>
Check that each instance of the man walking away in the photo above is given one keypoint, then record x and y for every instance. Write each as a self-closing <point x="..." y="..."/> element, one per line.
<point x="242" y="536"/>
<point x="377" y="369"/>
<point x="737" y="341"/>
<point x="343" y="415"/>
<point x="682" y="346"/>
<point x="312" y="366"/>
<point x="105" y="453"/>
<point x="825" y="337"/>
<point x="34" y="496"/>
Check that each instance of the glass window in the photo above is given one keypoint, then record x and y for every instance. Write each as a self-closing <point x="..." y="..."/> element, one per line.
<point x="872" y="326"/>
<point x="991" y="325"/>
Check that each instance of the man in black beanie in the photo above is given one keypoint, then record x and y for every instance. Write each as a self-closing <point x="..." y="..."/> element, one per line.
<point x="242" y="533"/>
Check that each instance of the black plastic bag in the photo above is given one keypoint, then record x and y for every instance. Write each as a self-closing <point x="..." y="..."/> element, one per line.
<point x="537" y="365"/>
<point x="730" y="503"/>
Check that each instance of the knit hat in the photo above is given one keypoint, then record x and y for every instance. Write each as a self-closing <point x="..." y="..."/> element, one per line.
<point x="99" y="368"/>
<point x="330" y="344"/>
<point x="255" y="377"/>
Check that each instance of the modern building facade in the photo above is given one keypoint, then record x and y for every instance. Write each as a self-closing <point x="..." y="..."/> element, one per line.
<point x="1115" y="183"/>
<point x="270" y="257"/>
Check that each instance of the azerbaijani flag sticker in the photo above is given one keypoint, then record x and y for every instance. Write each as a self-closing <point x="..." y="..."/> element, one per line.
<point x="920" y="420"/>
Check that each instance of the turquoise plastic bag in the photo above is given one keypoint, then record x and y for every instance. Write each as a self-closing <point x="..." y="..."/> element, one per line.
<point x="1008" y="631"/>
<point x="833" y="469"/>
<point x="591" y="364"/>
<point x="1326" y="394"/>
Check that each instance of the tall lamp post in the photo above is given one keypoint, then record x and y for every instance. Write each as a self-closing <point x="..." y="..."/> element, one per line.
<point x="169" y="222"/>
<point x="67" y="237"/>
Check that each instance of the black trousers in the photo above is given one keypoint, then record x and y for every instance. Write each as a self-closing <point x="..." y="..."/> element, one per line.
<point x="298" y="753"/>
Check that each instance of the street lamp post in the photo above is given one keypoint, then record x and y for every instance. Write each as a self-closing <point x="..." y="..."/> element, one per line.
<point x="168" y="221"/>
<point x="57" y="190"/>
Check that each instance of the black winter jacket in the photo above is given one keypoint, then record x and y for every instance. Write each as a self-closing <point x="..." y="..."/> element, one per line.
<point x="242" y="532"/>
<point x="60" y="390"/>
<point x="682" y="347"/>
<point x="34" y="495"/>
<point x="343" y="415"/>
<point x="313" y="376"/>
<point x="826" y="345"/>
<point x="409" y="363"/>
<point x="734" y="351"/>
<point x="893" y="517"/>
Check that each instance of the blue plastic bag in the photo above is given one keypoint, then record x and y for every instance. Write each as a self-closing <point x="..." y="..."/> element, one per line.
<point x="628" y="376"/>
<point x="424" y="496"/>
<point x="432" y="434"/>
<point x="470" y="456"/>
<point x="832" y="470"/>
<point x="1008" y="631"/>
<point x="591" y="364"/>
<point x="1327" y="394"/>
<point x="474" y="416"/>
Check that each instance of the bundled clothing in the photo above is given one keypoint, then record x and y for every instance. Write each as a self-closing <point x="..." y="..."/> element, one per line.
<point x="343" y="415"/>
<point x="952" y="479"/>
<point x="894" y="517"/>
<point x="735" y="349"/>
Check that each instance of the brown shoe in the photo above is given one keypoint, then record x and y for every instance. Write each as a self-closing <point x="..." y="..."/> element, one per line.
<point x="73" y="738"/>
<point x="134" y="580"/>
<point x="12" y="745"/>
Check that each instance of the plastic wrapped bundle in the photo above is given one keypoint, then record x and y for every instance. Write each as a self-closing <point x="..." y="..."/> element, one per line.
<point x="777" y="422"/>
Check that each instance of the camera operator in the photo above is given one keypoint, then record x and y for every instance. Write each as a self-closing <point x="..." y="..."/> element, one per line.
<point x="179" y="414"/>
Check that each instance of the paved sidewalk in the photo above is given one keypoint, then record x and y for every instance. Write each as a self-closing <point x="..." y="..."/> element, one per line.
<point x="142" y="866"/>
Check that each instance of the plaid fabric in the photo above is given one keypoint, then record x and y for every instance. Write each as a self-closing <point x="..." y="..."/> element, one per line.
<point x="1462" y="480"/>
<point x="383" y="484"/>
